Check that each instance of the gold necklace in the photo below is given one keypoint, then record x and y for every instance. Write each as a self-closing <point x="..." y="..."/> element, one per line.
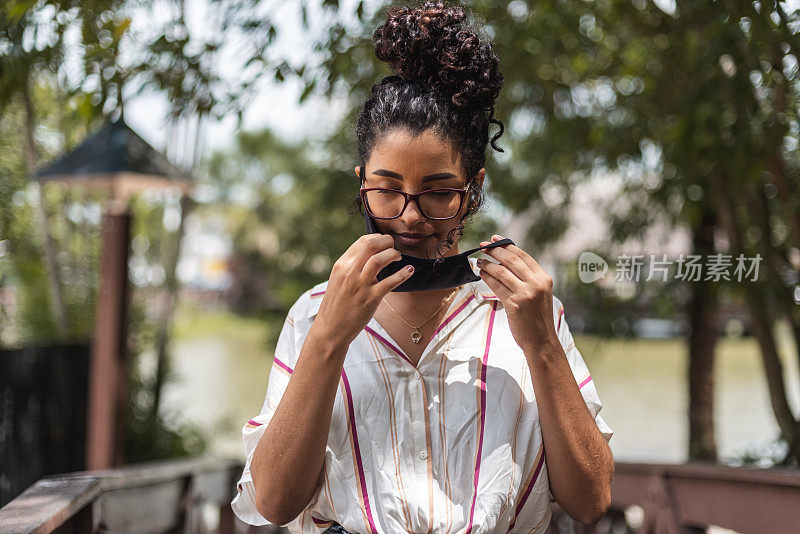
<point x="416" y="335"/>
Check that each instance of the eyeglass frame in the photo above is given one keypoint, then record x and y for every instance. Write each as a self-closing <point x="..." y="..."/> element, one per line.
<point x="415" y="197"/>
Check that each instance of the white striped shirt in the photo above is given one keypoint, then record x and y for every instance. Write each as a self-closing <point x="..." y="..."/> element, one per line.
<point x="451" y="445"/>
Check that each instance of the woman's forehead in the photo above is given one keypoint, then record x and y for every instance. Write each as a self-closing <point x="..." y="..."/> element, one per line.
<point x="417" y="155"/>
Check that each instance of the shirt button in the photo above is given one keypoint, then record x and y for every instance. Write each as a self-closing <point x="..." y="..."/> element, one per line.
<point x="423" y="455"/>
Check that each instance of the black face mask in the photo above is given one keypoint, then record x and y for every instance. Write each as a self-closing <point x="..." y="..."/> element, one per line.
<point x="432" y="273"/>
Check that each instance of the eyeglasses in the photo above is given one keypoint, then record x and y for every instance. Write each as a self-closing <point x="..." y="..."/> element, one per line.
<point x="440" y="204"/>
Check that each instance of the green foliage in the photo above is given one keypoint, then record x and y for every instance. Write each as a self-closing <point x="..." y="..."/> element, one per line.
<point x="695" y="111"/>
<point x="664" y="99"/>
<point x="73" y="222"/>
<point x="168" y="435"/>
<point x="45" y="109"/>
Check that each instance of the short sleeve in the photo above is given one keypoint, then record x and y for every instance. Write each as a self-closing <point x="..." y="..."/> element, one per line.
<point x="283" y="363"/>
<point x="579" y="369"/>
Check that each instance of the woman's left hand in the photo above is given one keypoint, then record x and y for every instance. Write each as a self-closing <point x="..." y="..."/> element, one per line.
<point x="525" y="290"/>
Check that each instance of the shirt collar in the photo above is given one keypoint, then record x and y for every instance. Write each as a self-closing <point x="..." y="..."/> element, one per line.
<point x="480" y="289"/>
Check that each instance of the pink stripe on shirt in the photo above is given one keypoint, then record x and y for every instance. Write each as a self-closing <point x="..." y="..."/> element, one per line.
<point x="361" y="479"/>
<point x="450" y="317"/>
<point x="481" y="415"/>
<point x="524" y="498"/>
<point x="282" y="365"/>
<point x="588" y="379"/>
<point x="388" y="344"/>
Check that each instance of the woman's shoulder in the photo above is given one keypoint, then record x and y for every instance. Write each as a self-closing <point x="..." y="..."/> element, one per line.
<point x="307" y="305"/>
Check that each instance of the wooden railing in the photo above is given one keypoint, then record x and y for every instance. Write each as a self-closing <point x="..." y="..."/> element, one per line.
<point x="193" y="496"/>
<point x="689" y="498"/>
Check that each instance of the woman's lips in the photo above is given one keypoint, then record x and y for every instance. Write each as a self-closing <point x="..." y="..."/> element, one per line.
<point x="411" y="241"/>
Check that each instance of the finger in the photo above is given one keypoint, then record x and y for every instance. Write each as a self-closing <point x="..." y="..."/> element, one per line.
<point x="527" y="258"/>
<point x="500" y="289"/>
<point x="370" y="244"/>
<point x="503" y="274"/>
<point x="378" y="261"/>
<point x="365" y="246"/>
<point x="511" y="261"/>
<point x="390" y="282"/>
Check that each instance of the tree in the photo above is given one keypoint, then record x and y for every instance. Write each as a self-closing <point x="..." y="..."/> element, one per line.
<point x="694" y="108"/>
<point x="115" y="63"/>
<point x="23" y="61"/>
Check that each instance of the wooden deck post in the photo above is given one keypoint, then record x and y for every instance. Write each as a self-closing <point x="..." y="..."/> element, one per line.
<point x="107" y="395"/>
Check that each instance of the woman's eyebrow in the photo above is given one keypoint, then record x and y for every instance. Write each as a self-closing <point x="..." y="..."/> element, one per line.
<point x="428" y="178"/>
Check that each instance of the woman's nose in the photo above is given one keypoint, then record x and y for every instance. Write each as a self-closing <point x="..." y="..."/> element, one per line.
<point x="412" y="214"/>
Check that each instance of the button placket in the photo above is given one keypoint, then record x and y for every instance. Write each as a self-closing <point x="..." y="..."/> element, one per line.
<point x="419" y="454"/>
<point x="421" y="438"/>
<point x="418" y="426"/>
<point x="459" y="317"/>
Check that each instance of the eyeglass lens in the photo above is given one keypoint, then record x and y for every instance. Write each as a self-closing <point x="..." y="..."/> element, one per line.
<point x="433" y="204"/>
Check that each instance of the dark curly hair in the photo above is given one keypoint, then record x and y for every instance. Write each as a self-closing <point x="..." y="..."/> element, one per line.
<point x="445" y="78"/>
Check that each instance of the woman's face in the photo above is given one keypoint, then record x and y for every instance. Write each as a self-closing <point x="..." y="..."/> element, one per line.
<point x="415" y="164"/>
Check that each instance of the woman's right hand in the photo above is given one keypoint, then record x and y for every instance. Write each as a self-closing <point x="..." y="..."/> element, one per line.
<point x="354" y="292"/>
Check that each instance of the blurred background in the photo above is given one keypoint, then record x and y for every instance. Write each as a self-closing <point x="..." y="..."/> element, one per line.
<point x="650" y="127"/>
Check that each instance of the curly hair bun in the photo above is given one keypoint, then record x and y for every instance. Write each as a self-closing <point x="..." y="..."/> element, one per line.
<point x="433" y="44"/>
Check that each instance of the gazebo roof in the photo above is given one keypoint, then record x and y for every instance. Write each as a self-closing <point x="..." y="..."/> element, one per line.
<point x="117" y="159"/>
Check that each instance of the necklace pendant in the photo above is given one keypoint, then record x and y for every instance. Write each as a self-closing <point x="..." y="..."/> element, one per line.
<point x="416" y="336"/>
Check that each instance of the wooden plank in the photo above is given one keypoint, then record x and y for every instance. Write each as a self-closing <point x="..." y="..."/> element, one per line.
<point x="697" y="495"/>
<point x="698" y="470"/>
<point x="153" y="490"/>
<point x="742" y="506"/>
<point x="159" y="471"/>
<point x="48" y="504"/>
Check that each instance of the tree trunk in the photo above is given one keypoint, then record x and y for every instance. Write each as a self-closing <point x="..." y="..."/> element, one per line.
<point x="763" y="311"/>
<point x="171" y="286"/>
<point x="702" y="341"/>
<point x="165" y="319"/>
<point x="759" y="307"/>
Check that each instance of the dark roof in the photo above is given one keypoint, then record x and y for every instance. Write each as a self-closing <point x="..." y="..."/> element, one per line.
<point x="115" y="148"/>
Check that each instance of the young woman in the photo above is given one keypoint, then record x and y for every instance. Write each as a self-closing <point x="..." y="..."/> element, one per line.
<point x="428" y="410"/>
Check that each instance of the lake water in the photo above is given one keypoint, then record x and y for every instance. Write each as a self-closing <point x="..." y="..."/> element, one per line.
<point x="221" y="377"/>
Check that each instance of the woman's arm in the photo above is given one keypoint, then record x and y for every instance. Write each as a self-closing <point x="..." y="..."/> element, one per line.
<point x="288" y="459"/>
<point x="579" y="461"/>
